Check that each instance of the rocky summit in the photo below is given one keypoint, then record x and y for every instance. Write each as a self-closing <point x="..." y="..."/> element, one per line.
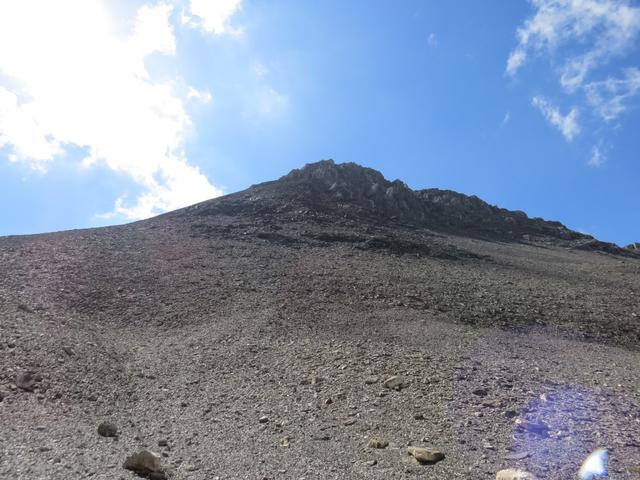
<point x="331" y="324"/>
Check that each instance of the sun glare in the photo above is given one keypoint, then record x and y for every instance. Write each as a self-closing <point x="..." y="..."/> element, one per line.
<point x="595" y="466"/>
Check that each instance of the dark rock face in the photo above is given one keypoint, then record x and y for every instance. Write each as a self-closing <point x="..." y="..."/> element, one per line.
<point x="470" y="216"/>
<point x="606" y="247"/>
<point x="354" y="190"/>
<point x="324" y="191"/>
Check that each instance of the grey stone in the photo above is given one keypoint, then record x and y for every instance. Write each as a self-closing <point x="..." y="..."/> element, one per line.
<point x="516" y="456"/>
<point x="107" y="429"/>
<point x="377" y="442"/>
<point x="26" y="381"/>
<point x="395" y="382"/>
<point x="370" y="380"/>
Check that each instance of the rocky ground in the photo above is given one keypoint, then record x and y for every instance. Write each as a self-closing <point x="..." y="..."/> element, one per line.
<point x="254" y="337"/>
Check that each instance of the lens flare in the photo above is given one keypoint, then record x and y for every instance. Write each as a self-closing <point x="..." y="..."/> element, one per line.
<point x="595" y="465"/>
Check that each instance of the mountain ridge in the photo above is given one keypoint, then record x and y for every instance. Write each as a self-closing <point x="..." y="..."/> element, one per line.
<point x="350" y="191"/>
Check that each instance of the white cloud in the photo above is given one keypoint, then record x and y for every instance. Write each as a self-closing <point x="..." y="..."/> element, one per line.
<point x="582" y="38"/>
<point x="213" y="16"/>
<point x="203" y="96"/>
<point x="152" y="31"/>
<point x="601" y="29"/>
<point x="19" y="129"/>
<point x="576" y="69"/>
<point x="597" y="158"/>
<point x="516" y="58"/>
<point x="567" y="124"/>
<point x="181" y="185"/>
<point x="76" y="82"/>
<point x="609" y="97"/>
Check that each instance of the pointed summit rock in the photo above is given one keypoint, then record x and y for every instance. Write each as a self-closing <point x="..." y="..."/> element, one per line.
<point x="354" y="190"/>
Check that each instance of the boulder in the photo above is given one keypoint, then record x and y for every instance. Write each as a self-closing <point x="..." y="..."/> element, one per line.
<point x="425" y="455"/>
<point x="145" y="463"/>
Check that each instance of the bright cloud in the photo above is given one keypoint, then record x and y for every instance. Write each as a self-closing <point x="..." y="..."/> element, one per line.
<point x="203" y="96"/>
<point x="610" y="97"/>
<point x="567" y="124"/>
<point x="19" y="129"/>
<point x="602" y="29"/>
<point x="516" y="58"/>
<point x="213" y="16"/>
<point x="74" y="81"/>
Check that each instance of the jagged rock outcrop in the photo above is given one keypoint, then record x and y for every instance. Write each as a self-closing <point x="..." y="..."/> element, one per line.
<point x="355" y="190"/>
<point x="472" y="216"/>
<point x="324" y="191"/>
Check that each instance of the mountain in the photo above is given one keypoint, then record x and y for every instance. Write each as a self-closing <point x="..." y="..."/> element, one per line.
<point x="317" y="326"/>
<point x="323" y="191"/>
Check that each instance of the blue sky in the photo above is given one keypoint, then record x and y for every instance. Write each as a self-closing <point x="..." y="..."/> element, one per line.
<point x="115" y="111"/>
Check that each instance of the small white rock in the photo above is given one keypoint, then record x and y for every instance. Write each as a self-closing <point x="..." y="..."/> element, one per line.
<point x="514" y="474"/>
